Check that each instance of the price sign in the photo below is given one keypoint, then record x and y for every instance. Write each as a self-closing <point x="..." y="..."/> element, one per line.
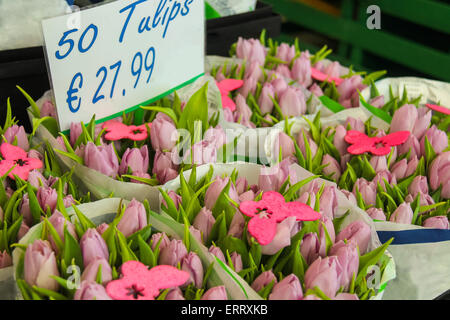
<point x="118" y="56"/>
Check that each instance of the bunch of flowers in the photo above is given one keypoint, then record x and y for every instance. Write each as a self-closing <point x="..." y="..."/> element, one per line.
<point x="399" y="174"/>
<point x="125" y="259"/>
<point x="284" y="236"/>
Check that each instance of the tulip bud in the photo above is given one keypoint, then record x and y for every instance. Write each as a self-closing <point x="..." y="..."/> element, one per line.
<point x="310" y="247"/>
<point x="287" y="289"/>
<point x="176" y="198"/>
<point x="25" y="210"/>
<point x="236" y="259"/>
<point x="93" y="246"/>
<point x="348" y="91"/>
<point x="243" y="111"/>
<point x="419" y="184"/>
<point x="316" y="90"/>
<point x="163" y="166"/>
<point x="135" y="159"/>
<point x="237" y="225"/>
<point x="333" y="69"/>
<point x="439" y="174"/>
<point x="333" y="168"/>
<point x="254" y="70"/>
<point x="402" y="169"/>
<point x="204" y="222"/>
<point x="17" y="132"/>
<point x="376" y="214"/>
<point x="161" y="238"/>
<point x="173" y="253"/>
<point x="48" y="110"/>
<point x="90" y="271"/>
<point x="346" y="296"/>
<point x="301" y="143"/>
<point x="272" y="178"/>
<point x="192" y="264"/>
<point x="265" y="102"/>
<point x="282" y="237"/>
<point x="90" y="290"/>
<point x="292" y="102"/>
<point x="36" y="179"/>
<point x="339" y="139"/>
<point x="175" y="294"/>
<point x="324" y="273"/>
<point x="228" y="116"/>
<point x="377" y="102"/>
<point x="241" y="185"/>
<point x="437" y="138"/>
<point x="437" y="222"/>
<point x="216" y="136"/>
<point x="47" y="197"/>
<point x="101" y="158"/>
<point x="134" y="218"/>
<point x="216" y="251"/>
<point x="285" y="143"/>
<point x="102" y="228"/>
<point x="59" y="222"/>
<point x="202" y="152"/>
<point x="355" y="124"/>
<point x="357" y="231"/>
<point x="379" y="163"/>
<point x="75" y="132"/>
<point x="163" y="134"/>
<point x="350" y="196"/>
<point x="403" y="214"/>
<point x="279" y="85"/>
<point x="285" y="52"/>
<point x="283" y="71"/>
<point x="348" y="258"/>
<point x="410" y="144"/>
<point x="422" y="123"/>
<point x="249" y="86"/>
<point x="40" y="265"/>
<point x="23" y="230"/>
<point x="247" y="196"/>
<point x="215" y="189"/>
<point x="329" y="202"/>
<point x="215" y="293"/>
<point x="301" y="71"/>
<point x="263" y="280"/>
<point x="5" y="260"/>
<point x="68" y="201"/>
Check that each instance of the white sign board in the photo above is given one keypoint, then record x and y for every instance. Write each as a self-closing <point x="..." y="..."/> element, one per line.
<point x="117" y="56"/>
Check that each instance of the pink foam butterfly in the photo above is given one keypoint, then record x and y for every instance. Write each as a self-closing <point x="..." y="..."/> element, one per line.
<point x="270" y="210"/>
<point x="15" y="156"/>
<point x="319" y="75"/>
<point x="225" y="87"/>
<point x="117" y="131"/>
<point x="140" y="283"/>
<point x="378" y="146"/>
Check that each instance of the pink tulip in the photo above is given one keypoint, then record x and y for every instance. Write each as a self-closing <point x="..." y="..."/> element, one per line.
<point x="134" y="218"/>
<point x="202" y="152"/>
<point x="285" y="143"/>
<point x="237" y="225"/>
<point x="102" y="228"/>
<point x="437" y="222"/>
<point x="376" y="214"/>
<point x="40" y="265"/>
<point x="163" y="134"/>
<point x="287" y="289"/>
<point x="439" y="174"/>
<point x="377" y="102"/>
<point x="265" y="99"/>
<point x="355" y="124"/>
<point x="346" y="296"/>
<point x="75" y="132"/>
<point x="409" y="118"/>
<point x="243" y="111"/>
<point x="249" y="86"/>
<point x="333" y="69"/>
<point x="90" y="271"/>
<point x="236" y="259"/>
<point x="135" y="159"/>
<point x="324" y="273"/>
<point x="419" y="184"/>
<point x="254" y="70"/>
<point x="350" y="196"/>
<point x="327" y="223"/>
<point x="215" y="293"/>
<point x="379" y="163"/>
<point x="403" y="168"/>
<point x="25" y="210"/>
<point x="175" y="294"/>
<point x="422" y="123"/>
<point x="47" y="198"/>
<point x="292" y="102"/>
<point x="48" y="110"/>
<point x="101" y="158"/>
<point x="192" y="264"/>
<point x="163" y="166"/>
<point x="301" y="143"/>
<point x="251" y="50"/>
<point x="5" y="260"/>
<point x="247" y="196"/>
<point x="160" y="238"/>
<point x="215" y="189"/>
<point x="310" y="247"/>
<point x="403" y="214"/>
<point x="272" y="178"/>
<point x="282" y="238"/>
<point x="173" y="253"/>
<point x="357" y="231"/>
<point x="204" y="222"/>
<point x="437" y="138"/>
<point x="286" y="52"/>
<point x="301" y="70"/>
<point x="241" y="185"/>
<point x="93" y="246"/>
<point x="228" y="115"/>
<point x="59" y="222"/>
<point x="348" y="91"/>
<point x="216" y="136"/>
<point x="90" y="290"/>
<point x="217" y="252"/>
<point x="263" y="280"/>
<point x="348" y="258"/>
<point x="23" y="230"/>
<point x="333" y="168"/>
<point x="17" y="132"/>
<point x="279" y="85"/>
<point x="283" y="71"/>
<point x="316" y="90"/>
<point x="36" y="179"/>
<point x="176" y="198"/>
<point x="413" y="144"/>
<point x="339" y="139"/>
<point x="382" y="176"/>
<point x="329" y="202"/>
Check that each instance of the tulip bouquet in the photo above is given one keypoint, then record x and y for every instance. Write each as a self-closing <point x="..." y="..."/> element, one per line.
<point x="397" y="174"/>
<point x="113" y="256"/>
<point x="320" y="76"/>
<point x="128" y="156"/>
<point x="258" y="221"/>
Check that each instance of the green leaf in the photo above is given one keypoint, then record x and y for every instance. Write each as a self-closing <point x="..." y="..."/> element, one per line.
<point x="219" y="229"/>
<point x="291" y="193"/>
<point x="196" y="109"/>
<point x="49" y="293"/>
<point x="59" y="243"/>
<point x="146" y="255"/>
<point x="48" y="122"/>
<point x="85" y="222"/>
<point x="337" y="222"/>
<point x="369" y="259"/>
<point x="35" y="109"/>
<point x="125" y="252"/>
<point x="72" y="156"/>
<point x="72" y="250"/>
<point x="167" y="111"/>
<point x="233" y="244"/>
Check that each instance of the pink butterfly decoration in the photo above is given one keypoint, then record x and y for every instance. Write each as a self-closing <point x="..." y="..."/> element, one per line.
<point x="437" y="108"/>
<point x="140" y="283"/>
<point x="270" y="210"/>
<point x="225" y="87"/>
<point x="117" y="131"/>
<point x="14" y="155"/>
<point x="378" y="146"/>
